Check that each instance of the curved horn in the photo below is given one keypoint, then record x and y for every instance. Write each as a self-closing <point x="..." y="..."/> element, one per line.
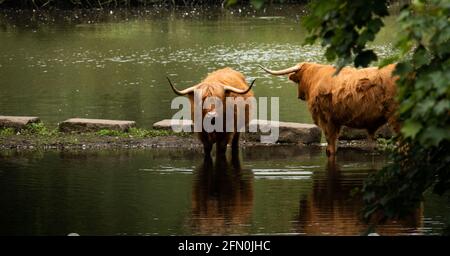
<point x="183" y="92"/>
<point x="283" y="71"/>
<point x="238" y="91"/>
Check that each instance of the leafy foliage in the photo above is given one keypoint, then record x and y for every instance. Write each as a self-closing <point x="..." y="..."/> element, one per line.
<point x="422" y="158"/>
<point x="398" y="189"/>
<point x="345" y="27"/>
<point x="424" y="86"/>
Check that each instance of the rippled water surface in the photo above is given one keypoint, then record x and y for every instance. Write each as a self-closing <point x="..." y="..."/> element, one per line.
<point x="113" y="64"/>
<point x="271" y="190"/>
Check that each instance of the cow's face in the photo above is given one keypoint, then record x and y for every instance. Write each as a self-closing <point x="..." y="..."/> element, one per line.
<point x="213" y="99"/>
<point x="210" y="97"/>
<point x="294" y="73"/>
<point x="296" y="78"/>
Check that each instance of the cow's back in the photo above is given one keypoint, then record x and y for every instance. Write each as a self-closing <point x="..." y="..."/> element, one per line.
<point x="227" y="76"/>
<point x="358" y="98"/>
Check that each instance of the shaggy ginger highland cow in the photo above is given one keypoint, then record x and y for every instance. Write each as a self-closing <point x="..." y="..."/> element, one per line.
<point x="356" y="98"/>
<point x="220" y="84"/>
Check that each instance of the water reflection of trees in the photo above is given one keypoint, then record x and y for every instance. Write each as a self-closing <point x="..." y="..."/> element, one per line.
<point x="222" y="198"/>
<point x="330" y="208"/>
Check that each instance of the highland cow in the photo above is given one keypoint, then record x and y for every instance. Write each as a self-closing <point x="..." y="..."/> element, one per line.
<point x="356" y="98"/>
<point x="220" y="85"/>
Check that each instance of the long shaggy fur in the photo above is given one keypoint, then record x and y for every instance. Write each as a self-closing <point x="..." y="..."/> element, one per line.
<point x="212" y="86"/>
<point x="357" y="98"/>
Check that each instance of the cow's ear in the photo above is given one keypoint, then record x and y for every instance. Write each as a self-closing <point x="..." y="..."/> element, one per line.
<point x="294" y="77"/>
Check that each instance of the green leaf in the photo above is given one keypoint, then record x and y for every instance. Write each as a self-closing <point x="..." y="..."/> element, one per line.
<point x="388" y="60"/>
<point x="257" y="3"/>
<point x="323" y="7"/>
<point x="330" y="54"/>
<point x="375" y="25"/>
<point x="404" y="15"/>
<point x="402" y="68"/>
<point x="411" y="128"/>
<point x="421" y="57"/>
<point x="230" y="3"/>
<point x="404" y="44"/>
<point x="424" y="107"/>
<point x="310" y="40"/>
<point x="432" y="135"/>
<point x="439" y="81"/>
<point x="442" y="107"/>
<point x="406" y="105"/>
<point x="365" y="37"/>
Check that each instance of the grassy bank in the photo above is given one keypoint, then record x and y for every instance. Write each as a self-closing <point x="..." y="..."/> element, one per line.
<point x="38" y="135"/>
<point x="39" y="129"/>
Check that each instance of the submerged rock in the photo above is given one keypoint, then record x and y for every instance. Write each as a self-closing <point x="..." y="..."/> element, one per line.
<point x="289" y="132"/>
<point x="17" y="122"/>
<point x="166" y="124"/>
<point x="92" y="125"/>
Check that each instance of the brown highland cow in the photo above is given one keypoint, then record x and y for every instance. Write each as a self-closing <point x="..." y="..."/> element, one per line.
<point x="356" y="98"/>
<point x="221" y="84"/>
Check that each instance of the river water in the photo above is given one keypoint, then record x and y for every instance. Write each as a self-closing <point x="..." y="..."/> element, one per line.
<point x="271" y="190"/>
<point x="113" y="64"/>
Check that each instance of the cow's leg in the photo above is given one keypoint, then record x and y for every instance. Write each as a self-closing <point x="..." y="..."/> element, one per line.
<point x="235" y="147"/>
<point x="235" y="142"/>
<point x="221" y="148"/>
<point x="207" y="145"/>
<point x="331" y="135"/>
<point x="207" y="149"/>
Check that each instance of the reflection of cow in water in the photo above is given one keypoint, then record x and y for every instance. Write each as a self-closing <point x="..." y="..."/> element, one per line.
<point x="331" y="210"/>
<point x="222" y="198"/>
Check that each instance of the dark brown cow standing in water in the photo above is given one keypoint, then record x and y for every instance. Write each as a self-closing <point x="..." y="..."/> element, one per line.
<point x="357" y="98"/>
<point x="222" y="83"/>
